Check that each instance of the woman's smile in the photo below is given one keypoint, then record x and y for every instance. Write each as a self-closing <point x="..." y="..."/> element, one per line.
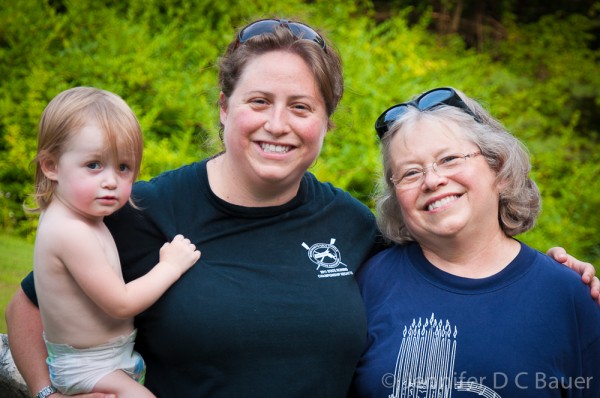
<point x="273" y="148"/>
<point x="438" y="203"/>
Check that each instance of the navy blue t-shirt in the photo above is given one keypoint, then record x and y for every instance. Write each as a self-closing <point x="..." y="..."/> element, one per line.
<point x="532" y="330"/>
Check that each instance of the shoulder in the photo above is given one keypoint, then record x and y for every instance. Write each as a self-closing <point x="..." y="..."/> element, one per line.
<point x="336" y="208"/>
<point x="172" y="181"/>
<point x="561" y="289"/>
<point x="384" y="275"/>
<point x="162" y="205"/>
<point x="328" y="196"/>
<point x="383" y="267"/>
<point x="563" y="283"/>
<point x="61" y="237"/>
<point x="548" y="268"/>
<point x="56" y="227"/>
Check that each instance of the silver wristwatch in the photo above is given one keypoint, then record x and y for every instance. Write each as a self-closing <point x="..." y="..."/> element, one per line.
<point x="46" y="391"/>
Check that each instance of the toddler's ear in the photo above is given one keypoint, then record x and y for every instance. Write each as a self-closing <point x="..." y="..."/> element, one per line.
<point x="49" y="167"/>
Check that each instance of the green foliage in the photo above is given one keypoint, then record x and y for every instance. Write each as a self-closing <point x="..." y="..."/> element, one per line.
<point x="16" y="262"/>
<point x="560" y="97"/>
<point x="542" y="81"/>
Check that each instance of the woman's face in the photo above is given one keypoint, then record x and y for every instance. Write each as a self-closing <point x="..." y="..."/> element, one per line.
<point x="274" y="121"/>
<point x="462" y="204"/>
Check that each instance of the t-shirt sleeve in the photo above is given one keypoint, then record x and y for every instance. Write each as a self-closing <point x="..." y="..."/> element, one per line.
<point x="139" y="233"/>
<point x="29" y="288"/>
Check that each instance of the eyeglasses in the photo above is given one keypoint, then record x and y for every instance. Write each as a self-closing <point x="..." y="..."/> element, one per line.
<point x="444" y="167"/>
<point x="428" y="100"/>
<point x="299" y="30"/>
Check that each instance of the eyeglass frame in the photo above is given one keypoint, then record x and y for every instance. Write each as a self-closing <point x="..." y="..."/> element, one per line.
<point x="382" y="125"/>
<point x="423" y="171"/>
<point x="298" y="29"/>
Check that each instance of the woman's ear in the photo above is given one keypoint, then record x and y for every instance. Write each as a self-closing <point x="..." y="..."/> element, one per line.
<point x="49" y="167"/>
<point x="222" y="107"/>
<point x="503" y="184"/>
<point x="501" y="187"/>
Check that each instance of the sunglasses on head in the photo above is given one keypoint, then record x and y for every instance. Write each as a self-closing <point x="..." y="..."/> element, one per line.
<point x="299" y="30"/>
<point x="428" y="100"/>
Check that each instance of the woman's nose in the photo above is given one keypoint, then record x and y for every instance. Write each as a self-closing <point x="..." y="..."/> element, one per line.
<point x="278" y="122"/>
<point x="431" y="179"/>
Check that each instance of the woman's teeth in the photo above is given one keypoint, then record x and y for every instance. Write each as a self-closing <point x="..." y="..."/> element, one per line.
<point x="441" y="202"/>
<point x="275" y="148"/>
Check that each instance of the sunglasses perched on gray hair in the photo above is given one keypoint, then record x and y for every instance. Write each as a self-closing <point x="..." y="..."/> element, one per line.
<point x="299" y="30"/>
<point x="428" y="100"/>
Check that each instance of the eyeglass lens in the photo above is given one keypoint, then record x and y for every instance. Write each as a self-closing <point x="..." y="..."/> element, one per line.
<point x="258" y="28"/>
<point x="433" y="98"/>
<point x="443" y="167"/>
<point x="299" y="30"/>
<point x="426" y="101"/>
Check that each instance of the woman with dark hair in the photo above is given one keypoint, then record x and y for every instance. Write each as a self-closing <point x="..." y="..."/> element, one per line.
<point x="272" y="308"/>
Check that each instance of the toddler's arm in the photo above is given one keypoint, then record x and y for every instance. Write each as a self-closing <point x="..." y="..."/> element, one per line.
<point x="94" y="274"/>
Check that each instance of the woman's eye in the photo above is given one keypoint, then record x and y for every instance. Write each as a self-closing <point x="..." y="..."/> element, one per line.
<point x="301" y="107"/>
<point x="259" y="101"/>
<point x="411" y="173"/>
<point x="450" y="159"/>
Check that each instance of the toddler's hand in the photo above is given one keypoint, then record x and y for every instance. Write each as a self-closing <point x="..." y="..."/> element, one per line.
<point x="180" y="252"/>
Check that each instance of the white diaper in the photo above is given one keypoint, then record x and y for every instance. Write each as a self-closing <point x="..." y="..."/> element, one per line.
<point x="75" y="371"/>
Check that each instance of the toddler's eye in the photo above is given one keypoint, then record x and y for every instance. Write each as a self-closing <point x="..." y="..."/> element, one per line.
<point x="94" y="165"/>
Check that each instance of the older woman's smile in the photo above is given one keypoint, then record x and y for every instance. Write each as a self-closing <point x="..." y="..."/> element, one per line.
<point x="441" y="202"/>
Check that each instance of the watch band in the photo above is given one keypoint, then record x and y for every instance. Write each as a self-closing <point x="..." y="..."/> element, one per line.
<point x="46" y="391"/>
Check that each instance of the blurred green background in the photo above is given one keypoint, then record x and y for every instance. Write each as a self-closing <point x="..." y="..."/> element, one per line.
<point x="533" y="65"/>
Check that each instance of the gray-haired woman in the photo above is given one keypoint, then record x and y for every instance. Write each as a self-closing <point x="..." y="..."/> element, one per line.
<point x="459" y="306"/>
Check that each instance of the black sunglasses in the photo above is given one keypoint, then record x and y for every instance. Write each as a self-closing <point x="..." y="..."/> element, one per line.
<point x="299" y="30"/>
<point x="428" y="100"/>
